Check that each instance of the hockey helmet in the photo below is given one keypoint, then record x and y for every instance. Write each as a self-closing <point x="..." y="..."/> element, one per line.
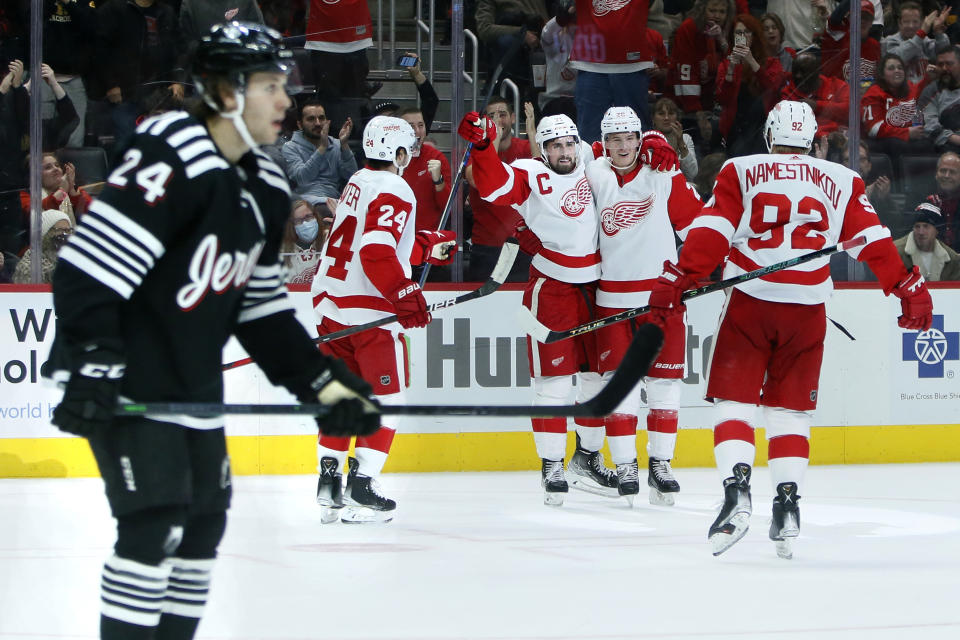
<point x="553" y="127"/>
<point x="236" y="48"/>
<point x="791" y="124"/>
<point x="384" y="135"/>
<point x="620" y="120"/>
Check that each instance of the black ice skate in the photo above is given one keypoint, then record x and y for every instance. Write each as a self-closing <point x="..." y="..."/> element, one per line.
<point x="330" y="490"/>
<point x="785" y="525"/>
<point x="734" y="518"/>
<point x="363" y="500"/>
<point x="628" y="480"/>
<point x="662" y="484"/>
<point x="554" y="482"/>
<point x="589" y="473"/>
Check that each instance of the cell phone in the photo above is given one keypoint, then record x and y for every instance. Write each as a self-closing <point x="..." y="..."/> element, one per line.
<point x="407" y="61"/>
<point x="739" y="40"/>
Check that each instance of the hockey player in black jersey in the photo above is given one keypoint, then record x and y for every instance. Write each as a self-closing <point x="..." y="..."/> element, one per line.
<point x="179" y="253"/>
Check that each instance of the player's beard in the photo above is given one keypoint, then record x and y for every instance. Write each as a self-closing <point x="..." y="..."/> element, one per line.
<point x="564" y="169"/>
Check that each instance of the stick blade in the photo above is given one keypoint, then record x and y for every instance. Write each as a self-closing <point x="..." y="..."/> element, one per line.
<point x="638" y="359"/>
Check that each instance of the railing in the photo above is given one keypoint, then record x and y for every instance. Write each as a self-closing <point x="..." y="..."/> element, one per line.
<point x="506" y="84"/>
<point x="474" y="81"/>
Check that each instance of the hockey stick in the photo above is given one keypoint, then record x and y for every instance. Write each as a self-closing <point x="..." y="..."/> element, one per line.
<point x="508" y="253"/>
<point x="637" y="360"/>
<point x="491" y="83"/>
<point x="541" y="333"/>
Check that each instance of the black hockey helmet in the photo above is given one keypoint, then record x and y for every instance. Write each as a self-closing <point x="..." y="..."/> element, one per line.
<point x="235" y="49"/>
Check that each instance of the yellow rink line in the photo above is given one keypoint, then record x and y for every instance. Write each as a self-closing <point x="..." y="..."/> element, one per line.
<point x="495" y="451"/>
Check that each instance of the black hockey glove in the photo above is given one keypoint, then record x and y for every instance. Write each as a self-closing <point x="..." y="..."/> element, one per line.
<point x="353" y="409"/>
<point x="90" y="396"/>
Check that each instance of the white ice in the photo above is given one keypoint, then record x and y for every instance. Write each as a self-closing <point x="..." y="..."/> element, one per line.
<point x="478" y="556"/>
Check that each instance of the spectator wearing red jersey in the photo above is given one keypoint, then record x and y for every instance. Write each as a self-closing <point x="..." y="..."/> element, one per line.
<point x="661" y="62"/>
<point x="428" y="174"/>
<point x="337" y="35"/>
<point x="889" y="111"/>
<point x="835" y="46"/>
<point x="829" y="97"/>
<point x="699" y="44"/>
<point x="748" y="87"/>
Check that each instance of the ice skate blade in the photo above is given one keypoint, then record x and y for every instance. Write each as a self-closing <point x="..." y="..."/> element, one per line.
<point x="784" y="548"/>
<point x="662" y="499"/>
<point x="589" y="486"/>
<point x="735" y="529"/>
<point x="630" y="499"/>
<point x="329" y="514"/>
<point x="553" y="498"/>
<point x="364" y="515"/>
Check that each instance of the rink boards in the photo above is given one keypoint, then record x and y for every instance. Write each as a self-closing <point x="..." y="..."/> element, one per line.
<point x="889" y="396"/>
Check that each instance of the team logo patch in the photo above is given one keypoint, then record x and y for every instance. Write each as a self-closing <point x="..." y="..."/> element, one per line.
<point x="624" y="215"/>
<point x="574" y="201"/>
<point x="605" y="354"/>
<point x="230" y="13"/>
<point x="556" y="361"/>
<point x="603" y="7"/>
<point x="902" y="115"/>
<point x="384" y="380"/>
<point x="813" y="396"/>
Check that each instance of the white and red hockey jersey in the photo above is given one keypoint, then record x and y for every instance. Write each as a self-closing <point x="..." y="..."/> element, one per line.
<point x="559" y="209"/>
<point x="376" y="208"/>
<point x="768" y="208"/>
<point x="639" y="213"/>
<point x="339" y="26"/>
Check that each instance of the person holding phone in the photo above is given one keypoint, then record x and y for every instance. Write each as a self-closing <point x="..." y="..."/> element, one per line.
<point x="429" y="101"/>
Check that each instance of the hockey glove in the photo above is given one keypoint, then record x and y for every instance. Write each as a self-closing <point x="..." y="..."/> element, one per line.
<point x="434" y="247"/>
<point x="353" y="410"/>
<point x="477" y="129"/>
<point x="656" y="152"/>
<point x="666" y="298"/>
<point x="915" y="302"/>
<point x="529" y="242"/>
<point x="90" y="396"/>
<point x="409" y="305"/>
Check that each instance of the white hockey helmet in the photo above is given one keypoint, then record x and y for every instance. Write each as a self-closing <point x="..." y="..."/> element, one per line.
<point x="384" y="135"/>
<point x="553" y="127"/>
<point x="790" y="123"/>
<point x="620" y="120"/>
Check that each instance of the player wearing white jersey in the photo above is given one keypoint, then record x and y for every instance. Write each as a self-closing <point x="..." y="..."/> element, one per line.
<point x="365" y="276"/>
<point x="641" y="211"/>
<point x="769" y="345"/>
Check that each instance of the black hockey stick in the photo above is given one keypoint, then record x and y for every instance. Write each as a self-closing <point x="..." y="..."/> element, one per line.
<point x="637" y="360"/>
<point x="543" y="334"/>
<point x="508" y="253"/>
<point x="491" y="83"/>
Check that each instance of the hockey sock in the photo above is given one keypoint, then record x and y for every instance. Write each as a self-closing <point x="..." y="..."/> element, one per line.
<point x="788" y="459"/>
<point x="372" y="451"/>
<point x="590" y="431"/>
<point x="185" y="598"/>
<point x="733" y="442"/>
<point x="661" y="433"/>
<point x="550" y="436"/>
<point x="131" y="597"/>
<point x="622" y="437"/>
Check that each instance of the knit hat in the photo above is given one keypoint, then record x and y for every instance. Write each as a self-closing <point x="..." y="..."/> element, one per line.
<point x="929" y="211"/>
<point x="51" y="217"/>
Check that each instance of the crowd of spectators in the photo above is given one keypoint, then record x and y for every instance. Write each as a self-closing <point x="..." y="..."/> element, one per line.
<point x="703" y="72"/>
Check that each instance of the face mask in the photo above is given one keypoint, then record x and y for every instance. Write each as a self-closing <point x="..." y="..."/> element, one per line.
<point x="307" y="230"/>
<point x="61" y="239"/>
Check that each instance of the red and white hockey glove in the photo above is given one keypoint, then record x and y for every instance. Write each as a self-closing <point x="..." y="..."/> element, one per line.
<point x="529" y="242"/>
<point x="435" y="247"/>
<point x="666" y="298"/>
<point x="409" y="305"/>
<point x="915" y="302"/>
<point x="477" y="129"/>
<point x="656" y="152"/>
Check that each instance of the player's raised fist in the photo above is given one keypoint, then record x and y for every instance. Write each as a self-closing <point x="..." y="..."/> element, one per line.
<point x="656" y="152"/>
<point x="477" y="129"/>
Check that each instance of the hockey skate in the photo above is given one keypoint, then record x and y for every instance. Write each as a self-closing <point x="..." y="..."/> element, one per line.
<point x="362" y="499"/>
<point x="628" y="480"/>
<point x="330" y="490"/>
<point x="734" y="519"/>
<point x="554" y="482"/>
<point x="589" y="473"/>
<point x="662" y="484"/>
<point x="785" y="525"/>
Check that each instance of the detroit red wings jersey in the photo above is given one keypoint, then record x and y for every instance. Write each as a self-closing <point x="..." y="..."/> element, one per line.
<point x="376" y="207"/>
<point x="772" y="208"/>
<point x="885" y="116"/>
<point x="638" y="219"/>
<point x="559" y="209"/>
<point x="339" y="26"/>
<point x="606" y="39"/>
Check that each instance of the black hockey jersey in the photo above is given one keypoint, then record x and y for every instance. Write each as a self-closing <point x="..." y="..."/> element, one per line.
<point x="179" y="252"/>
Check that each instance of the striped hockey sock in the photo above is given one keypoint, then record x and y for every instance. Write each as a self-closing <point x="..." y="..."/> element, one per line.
<point x="131" y="598"/>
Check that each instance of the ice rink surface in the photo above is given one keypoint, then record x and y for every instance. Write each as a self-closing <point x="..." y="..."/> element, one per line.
<point x="478" y="556"/>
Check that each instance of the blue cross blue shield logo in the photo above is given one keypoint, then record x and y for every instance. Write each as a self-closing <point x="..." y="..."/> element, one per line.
<point x="931" y="348"/>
